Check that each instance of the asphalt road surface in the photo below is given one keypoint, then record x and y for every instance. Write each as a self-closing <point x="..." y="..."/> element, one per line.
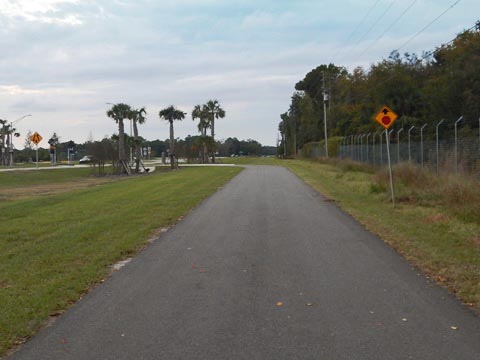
<point x="264" y="269"/>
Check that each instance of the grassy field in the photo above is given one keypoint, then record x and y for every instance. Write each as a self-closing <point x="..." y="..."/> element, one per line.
<point x="55" y="246"/>
<point x="436" y="224"/>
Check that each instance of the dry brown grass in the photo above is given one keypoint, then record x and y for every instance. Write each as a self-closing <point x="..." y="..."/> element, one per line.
<point x="476" y="240"/>
<point x="419" y="186"/>
<point x="22" y="192"/>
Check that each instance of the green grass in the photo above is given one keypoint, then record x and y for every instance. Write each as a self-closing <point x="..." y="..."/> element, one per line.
<point x="250" y="160"/>
<point x="57" y="246"/>
<point x="32" y="177"/>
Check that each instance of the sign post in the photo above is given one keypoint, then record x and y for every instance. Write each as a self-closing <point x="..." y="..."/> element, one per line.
<point x="386" y="117"/>
<point x="36" y="138"/>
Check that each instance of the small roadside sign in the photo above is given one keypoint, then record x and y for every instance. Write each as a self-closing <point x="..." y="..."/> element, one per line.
<point x="36" y="138"/>
<point x="386" y="117"/>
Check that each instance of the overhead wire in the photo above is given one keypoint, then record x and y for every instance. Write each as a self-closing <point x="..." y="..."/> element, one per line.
<point x="357" y="27"/>
<point x="430" y="53"/>
<point x="428" y="25"/>
<point x="374" y="24"/>
<point x="389" y="27"/>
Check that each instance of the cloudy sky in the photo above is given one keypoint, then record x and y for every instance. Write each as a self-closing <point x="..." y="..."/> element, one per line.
<point x="63" y="60"/>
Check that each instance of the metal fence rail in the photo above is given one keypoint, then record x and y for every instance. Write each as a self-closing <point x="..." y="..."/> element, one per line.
<point x="446" y="146"/>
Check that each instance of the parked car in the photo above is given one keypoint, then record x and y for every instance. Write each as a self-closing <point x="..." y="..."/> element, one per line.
<point x="85" y="160"/>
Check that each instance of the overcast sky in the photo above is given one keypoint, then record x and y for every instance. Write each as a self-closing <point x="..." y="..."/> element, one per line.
<point x="62" y="60"/>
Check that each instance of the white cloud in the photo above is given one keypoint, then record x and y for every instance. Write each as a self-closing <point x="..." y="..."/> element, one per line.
<point x="15" y="90"/>
<point x="44" y="11"/>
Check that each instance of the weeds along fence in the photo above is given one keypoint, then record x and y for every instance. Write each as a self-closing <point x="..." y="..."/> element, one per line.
<point x="443" y="147"/>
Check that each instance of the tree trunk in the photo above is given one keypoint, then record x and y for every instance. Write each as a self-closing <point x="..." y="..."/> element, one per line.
<point x="205" y="150"/>
<point x="172" y="147"/>
<point x="212" y="127"/>
<point x="138" y="150"/>
<point x="121" y="141"/>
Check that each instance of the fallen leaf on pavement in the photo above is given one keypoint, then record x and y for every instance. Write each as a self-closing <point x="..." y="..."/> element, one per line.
<point x="279" y="303"/>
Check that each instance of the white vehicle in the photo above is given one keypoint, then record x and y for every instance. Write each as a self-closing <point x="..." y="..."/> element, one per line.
<point x="85" y="160"/>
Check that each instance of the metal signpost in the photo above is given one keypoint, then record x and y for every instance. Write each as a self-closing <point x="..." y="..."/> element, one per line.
<point x="36" y="138"/>
<point x="386" y="117"/>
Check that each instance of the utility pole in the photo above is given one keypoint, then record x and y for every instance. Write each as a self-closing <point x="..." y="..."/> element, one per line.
<point x="325" y="99"/>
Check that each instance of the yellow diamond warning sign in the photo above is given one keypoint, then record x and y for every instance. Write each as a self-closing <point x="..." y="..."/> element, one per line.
<point x="36" y="138"/>
<point x="386" y="117"/>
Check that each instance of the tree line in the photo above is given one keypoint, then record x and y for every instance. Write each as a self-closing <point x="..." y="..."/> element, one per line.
<point x="442" y="84"/>
<point x="106" y="150"/>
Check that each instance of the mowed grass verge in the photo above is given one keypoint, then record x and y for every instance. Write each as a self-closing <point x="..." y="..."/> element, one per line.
<point x="53" y="248"/>
<point x="436" y="229"/>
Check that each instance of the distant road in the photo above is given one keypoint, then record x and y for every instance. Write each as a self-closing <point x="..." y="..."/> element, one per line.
<point x="82" y="166"/>
<point x="264" y="269"/>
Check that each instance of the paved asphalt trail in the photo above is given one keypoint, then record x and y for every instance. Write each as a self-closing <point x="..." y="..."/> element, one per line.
<point x="208" y="289"/>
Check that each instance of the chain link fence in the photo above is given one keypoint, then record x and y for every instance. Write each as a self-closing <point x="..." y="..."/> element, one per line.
<point x="442" y="147"/>
<point x="445" y="146"/>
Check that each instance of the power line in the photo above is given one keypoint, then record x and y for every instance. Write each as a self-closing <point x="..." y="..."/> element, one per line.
<point x="430" y="53"/>
<point x="390" y="26"/>
<point x="374" y="24"/>
<point x="430" y="23"/>
<point x="357" y="27"/>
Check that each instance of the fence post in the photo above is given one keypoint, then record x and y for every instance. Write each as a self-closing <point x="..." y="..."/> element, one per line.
<point x="354" y="148"/>
<point x="381" y="150"/>
<point x="409" y="149"/>
<point x="351" y="146"/>
<point x="342" y="147"/>
<point x="354" y="139"/>
<point x="361" y="147"/>
<point x="389" y="133"/>
<point x="358" y="147"/>
<point x="421" y="140"/>
<point x="368" y="160"/>
<point x="398" y="145"/>
<point x="436" y="135"/>
<point x="373" y="148"/>
<point x="456" y="143"/>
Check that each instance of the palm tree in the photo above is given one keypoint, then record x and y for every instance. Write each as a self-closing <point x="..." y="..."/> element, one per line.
<point x="215" y="112"/>
<point x="170" y="114"/>
<point x="137" y="117"/>
<point x="7" y="132"/>
<point x="120" y="112"/>
<point x="201" y="113"/>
